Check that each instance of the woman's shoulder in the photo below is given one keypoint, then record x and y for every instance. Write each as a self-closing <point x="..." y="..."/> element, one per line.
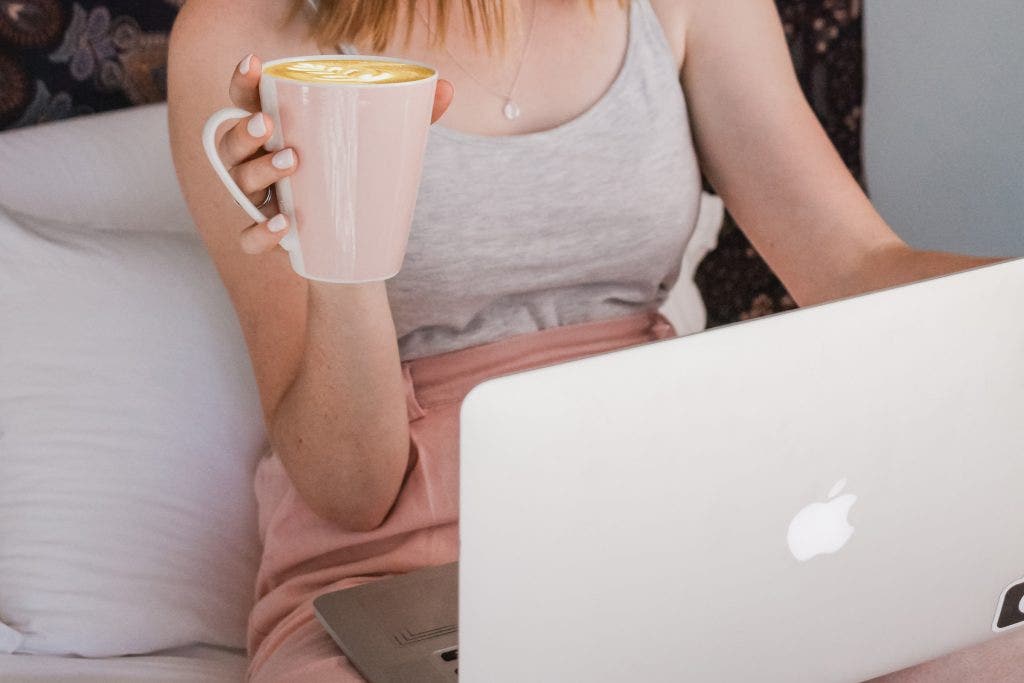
<point x="219" y="30"/>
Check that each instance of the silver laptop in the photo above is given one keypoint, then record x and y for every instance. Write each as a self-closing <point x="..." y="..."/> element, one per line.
<point x="827" y="494"/>
<point x="401" y="629"/>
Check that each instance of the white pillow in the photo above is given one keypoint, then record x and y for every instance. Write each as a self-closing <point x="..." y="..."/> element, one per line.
<point x="684" y="306"/>
<point x="130" y="429"/>
<point x="111" y="171"/>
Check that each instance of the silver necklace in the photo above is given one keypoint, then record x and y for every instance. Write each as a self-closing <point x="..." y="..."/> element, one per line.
<point x="511" y="109"/>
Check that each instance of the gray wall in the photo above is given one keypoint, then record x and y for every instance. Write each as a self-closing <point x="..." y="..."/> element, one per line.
<point x="944" y="122"/>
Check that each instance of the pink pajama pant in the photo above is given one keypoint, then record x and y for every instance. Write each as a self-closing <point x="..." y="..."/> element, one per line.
<point x="305" y="555"/>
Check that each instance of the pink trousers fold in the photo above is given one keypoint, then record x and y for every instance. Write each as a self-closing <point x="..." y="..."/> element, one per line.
<point x="305" y="555"/>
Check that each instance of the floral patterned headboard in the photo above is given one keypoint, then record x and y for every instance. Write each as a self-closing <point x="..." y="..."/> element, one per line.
<point x="61" y="59"/>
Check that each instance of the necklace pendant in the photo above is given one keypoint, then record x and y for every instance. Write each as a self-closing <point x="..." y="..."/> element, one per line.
<point x="511" y="110"/>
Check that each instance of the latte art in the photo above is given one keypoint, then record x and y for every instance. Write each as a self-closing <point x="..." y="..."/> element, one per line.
<point x="355" y="71"/>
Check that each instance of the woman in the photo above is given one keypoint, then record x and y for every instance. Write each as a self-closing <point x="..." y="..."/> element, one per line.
<point x="557" y="197"/>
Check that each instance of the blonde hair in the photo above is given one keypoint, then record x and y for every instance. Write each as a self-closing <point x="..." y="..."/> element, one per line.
<point x="374" y="21"/>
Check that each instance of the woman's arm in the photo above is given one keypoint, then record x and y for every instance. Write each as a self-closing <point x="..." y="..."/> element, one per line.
<point x="325" y="356"/>
<point x="767" y="156"/>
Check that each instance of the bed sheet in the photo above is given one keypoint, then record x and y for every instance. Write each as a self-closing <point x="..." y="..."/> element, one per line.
<point x="193" y="664"/>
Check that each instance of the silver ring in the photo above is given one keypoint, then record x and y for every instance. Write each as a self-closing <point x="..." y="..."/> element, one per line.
<point x="270" y="195"/>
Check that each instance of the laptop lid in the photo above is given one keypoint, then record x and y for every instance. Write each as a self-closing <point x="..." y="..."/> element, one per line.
<point x="827" y="494"/>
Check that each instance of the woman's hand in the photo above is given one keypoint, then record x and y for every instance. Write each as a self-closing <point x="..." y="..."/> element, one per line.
<point x="241" y="149"/>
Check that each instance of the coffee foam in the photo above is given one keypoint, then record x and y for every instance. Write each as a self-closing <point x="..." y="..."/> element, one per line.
<point x="354" y="71"/>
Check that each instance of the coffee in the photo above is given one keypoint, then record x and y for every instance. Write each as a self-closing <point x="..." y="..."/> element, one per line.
<point x="351" y="71"/>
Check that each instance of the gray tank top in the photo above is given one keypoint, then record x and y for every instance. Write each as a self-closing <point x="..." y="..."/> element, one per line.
<point x="584" y="221"/>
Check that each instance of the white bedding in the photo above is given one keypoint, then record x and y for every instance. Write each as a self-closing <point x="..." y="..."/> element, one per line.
<point x="196" y="664"/>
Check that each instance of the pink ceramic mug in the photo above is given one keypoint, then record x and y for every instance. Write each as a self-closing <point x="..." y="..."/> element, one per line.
<point x="360" y="155"/>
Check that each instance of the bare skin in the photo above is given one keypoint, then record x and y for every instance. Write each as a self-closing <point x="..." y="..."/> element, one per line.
<point x="325" y="356"/>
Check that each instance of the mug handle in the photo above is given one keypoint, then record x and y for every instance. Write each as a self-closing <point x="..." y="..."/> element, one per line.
<point x="290" y="241"/>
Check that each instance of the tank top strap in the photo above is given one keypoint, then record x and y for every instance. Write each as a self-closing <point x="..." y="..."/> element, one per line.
<point x="652" y="34"/>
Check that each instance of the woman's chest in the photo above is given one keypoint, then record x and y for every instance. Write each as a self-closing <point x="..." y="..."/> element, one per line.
<point x="596" y="203"/>
<point x="560" y="61"/>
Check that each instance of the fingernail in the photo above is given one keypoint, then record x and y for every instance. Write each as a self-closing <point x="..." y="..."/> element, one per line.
<point x="283" y="159"/>
<point x="256" y="127"/>
<point x="277" y="223"/>
<point x="243" y="66"/>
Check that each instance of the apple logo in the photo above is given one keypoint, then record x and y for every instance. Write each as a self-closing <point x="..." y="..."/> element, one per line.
<point x="821" y="528"/>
